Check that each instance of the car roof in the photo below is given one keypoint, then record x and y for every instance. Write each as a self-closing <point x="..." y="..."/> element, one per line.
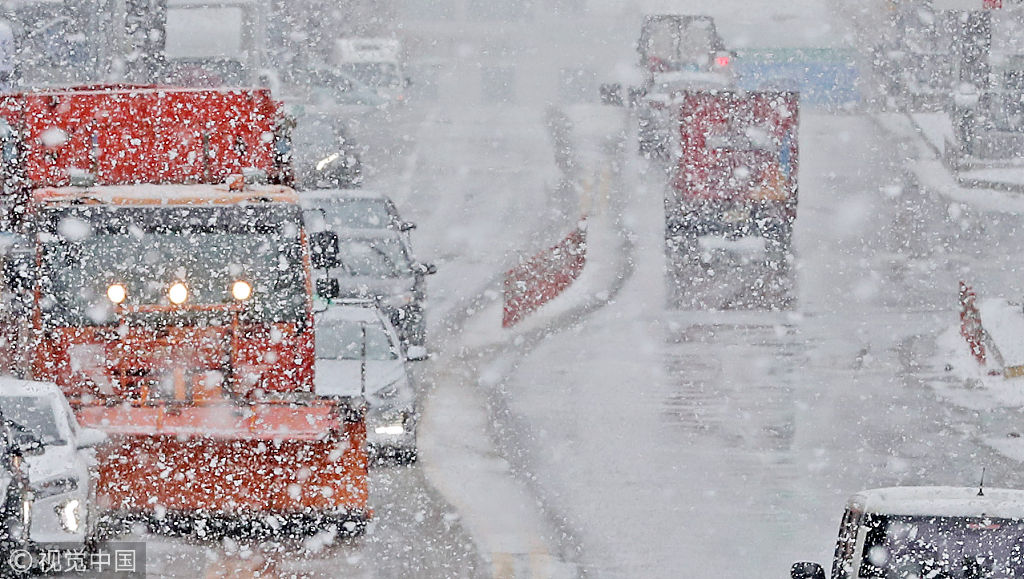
<point x="347" y="233"/>
<point x="941" y="502"/>
<point x="308" y="196"/>
<point x="364" y="311"/>
<point x="10" y="386"/>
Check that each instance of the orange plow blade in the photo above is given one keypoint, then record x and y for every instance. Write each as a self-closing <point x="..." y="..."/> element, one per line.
<point x="162" y="462"/>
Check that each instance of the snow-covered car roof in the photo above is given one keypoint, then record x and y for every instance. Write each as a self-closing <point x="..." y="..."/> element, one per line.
<point x="941" y="502"/>
<point x="16" y="387"/>
<point x="363" y="311"/>
<point x="154" y="194"/>
<point x="308" y="197"/>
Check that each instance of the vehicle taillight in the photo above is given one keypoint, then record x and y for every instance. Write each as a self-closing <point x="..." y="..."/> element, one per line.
<point x="722" y="61"/>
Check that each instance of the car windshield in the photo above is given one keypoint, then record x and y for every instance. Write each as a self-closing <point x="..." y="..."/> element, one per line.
<point x="350" y="213"/>
<point x="906" y="547"/>
<point x="377" y="257"/>
<point x="86" y="250"/>
<point x="35" y="415"/>
<point x="343" y="340"/>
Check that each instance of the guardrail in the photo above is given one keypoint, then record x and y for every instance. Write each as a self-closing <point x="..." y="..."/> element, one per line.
<point x="544" y="276"/>
<point x="970" y="323"/>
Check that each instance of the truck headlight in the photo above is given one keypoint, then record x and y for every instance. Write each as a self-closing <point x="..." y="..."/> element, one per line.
<point x="69" y="515"/>
<point x="177" y="293"/>
<point x="116" y="293"/>
<point x="241" y="290"/>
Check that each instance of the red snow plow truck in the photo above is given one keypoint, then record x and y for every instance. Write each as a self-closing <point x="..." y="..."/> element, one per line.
<point x="170" y="298"/>
<point x="735" y="171"/>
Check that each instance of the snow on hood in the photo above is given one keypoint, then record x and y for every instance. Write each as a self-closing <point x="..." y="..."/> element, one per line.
<point x="342" y="377"/>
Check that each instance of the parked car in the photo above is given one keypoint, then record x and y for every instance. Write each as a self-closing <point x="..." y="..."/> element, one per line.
<point x="376" y="264"/>
<point x="60" y="467"/>
<point x="16" y="508"/>
<point x="355" y="209"/>
<point x="359" y="353"/>
<point x="928" y="532"/>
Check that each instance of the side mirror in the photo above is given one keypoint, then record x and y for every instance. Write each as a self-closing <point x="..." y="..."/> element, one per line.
<point x="406" y="226"/>
<point x="28" y="444"/>
<point x="416" y="353"/>
<point x="425" y="268"/>
<point x="323" y="249"/>
<point x="328" y="288"/>
<point x="806" y="570"/>
<point x="611" y="94"/>
<point x="90" y="437"/>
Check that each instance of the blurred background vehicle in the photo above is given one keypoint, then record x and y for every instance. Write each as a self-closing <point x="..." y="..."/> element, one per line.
<point x="324" y="155"/>
<point x="378" y="63"/>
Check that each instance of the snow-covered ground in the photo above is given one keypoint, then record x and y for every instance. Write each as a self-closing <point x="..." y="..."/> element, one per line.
<point x="612" y="435"/>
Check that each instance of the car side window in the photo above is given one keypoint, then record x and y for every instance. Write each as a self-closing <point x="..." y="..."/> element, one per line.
<point x="846" y="544"/>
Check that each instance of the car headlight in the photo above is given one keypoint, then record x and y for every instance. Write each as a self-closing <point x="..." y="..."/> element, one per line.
<point x="391" y="423"/>
<point x="393" y="429"/>
<point x="54" y="487"/>
<point x="26" y="510"/>
<point x="69" y="514"/>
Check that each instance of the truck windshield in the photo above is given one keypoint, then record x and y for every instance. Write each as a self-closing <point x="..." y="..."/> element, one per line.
<point x="87" y="249"/>
<point x="951" y="547"/>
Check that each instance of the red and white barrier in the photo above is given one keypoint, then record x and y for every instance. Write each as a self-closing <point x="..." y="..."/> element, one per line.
<point x="544" y="276"/>
<point x="970" y="323"/>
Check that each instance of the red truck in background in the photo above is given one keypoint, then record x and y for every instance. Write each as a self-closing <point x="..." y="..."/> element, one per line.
<point x="175" y="310"/>
<point x="736" y="168"/>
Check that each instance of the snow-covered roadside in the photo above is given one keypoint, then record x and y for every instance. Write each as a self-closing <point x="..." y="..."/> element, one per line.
<point x="966" y="384"/>
<point x="460" y="454"/>
<point x="930" y="172"/>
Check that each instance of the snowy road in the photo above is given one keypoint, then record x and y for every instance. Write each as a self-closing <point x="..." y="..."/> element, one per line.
<point x="730" y="439"/>
<point x="644" y="441"/>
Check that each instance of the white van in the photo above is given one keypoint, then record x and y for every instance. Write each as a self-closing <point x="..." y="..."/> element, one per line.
<point x="947" y="532"/>
<point x="375" y="62"/>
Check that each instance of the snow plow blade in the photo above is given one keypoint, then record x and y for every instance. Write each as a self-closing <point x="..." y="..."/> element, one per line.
<point x="230" y="462"/>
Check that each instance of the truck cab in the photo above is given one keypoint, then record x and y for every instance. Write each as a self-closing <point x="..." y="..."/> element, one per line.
<point x="927" y="532"/>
